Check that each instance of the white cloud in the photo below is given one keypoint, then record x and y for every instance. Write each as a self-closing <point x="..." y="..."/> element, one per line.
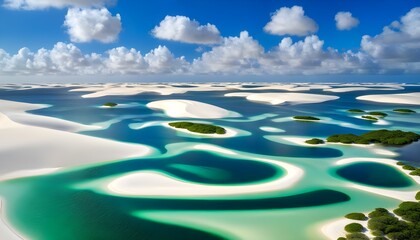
<point x="85" y="25"/>
<point x="398" y="46"/>
<point x="183" y="29"/>
<point x="291" y="21"/>
<point x="395" y="50"/>
<point x="67" y="59"/>
<point x="43" y="4"/>
<point x="235" y="54"/>
<point x="345" y="21"/>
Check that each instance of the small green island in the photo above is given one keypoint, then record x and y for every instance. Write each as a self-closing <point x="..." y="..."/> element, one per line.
<point x="314" y="141"/>
<point x="386" y="137"/>
<point x="370" y="118"/>
<point x="355" y="111"/>
<point x="306" y="118"/>
<point x="404" y="110"/>
<point x="378" y="114"/>
<point x="110" y="104"/>
<point x="199" y="127"/>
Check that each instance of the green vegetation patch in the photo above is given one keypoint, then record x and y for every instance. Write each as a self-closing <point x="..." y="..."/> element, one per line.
<point x="308" y="118"/>
<point x="415" y="173"/>
<point x="387" y="137"/>
<point x="409" y="211"/>
<point x="384" y="225"/>
<point x="380" y="114"/>
<point x="408" y="167"/>
<point x="370" y="118"/>
<point x="110" y="104"/>
<point x="199" y="127"/>
<point x="314" y="141"/>
<point x="418" y="195"/>
<point x="357" y="236"/>
<point x="404" y="110"/>
<point x="356" y="216"/>
<point x="355" y="111"/>
<point x="353" y="227"/>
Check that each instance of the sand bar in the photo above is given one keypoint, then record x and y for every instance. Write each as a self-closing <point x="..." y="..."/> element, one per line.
<point x="178" y="108"/>
<point x="282" y="98"/>
<point x="403" y="98"/>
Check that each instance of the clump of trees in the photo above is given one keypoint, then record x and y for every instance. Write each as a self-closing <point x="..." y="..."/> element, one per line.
<point x="355" y="111"/>
<point x="308" y="118"/>
<point x="404" y="110"/>
<point x="199" y="127"/>
<point x="387" y="137"/>
<point x="356" y="216"/>
<point x="414" y="170"/>
<point x="110" y="104"/>
<point x="384" y="225"/>
<point x="367" y="117"/>
<point x="314" y="141"/>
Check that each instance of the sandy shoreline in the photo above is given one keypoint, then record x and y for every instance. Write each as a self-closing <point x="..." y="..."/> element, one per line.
<point x="179" y="108"/>
<point x="403" y="98"/>
<point x="281" y="98"/>
<point x="49" y="148"/>
<point x="7" y="232"/>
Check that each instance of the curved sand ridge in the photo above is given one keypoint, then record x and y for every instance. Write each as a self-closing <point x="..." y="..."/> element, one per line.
<point x="17" y="112"/>
<point x="403" y="98"/>
<point x="157" y="184"/>
<point x="6" y="232"/>
<point x="50" y="149"/>
<point x="281" y="98"/>
<point x="177" y="108"/>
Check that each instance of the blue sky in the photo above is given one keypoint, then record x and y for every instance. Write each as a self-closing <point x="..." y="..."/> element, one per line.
<point x="313" y="43"/>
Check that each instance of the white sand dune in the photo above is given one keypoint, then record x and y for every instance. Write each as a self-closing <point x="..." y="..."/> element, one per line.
<point x="178" y="108"/>
<point x="157" y="184"/>
<point x="271" y="129"/>
<point x="353" y="89"/>
<point x="25" y="148"/>
<point x="17" y="112"/>
<point x="403" y="98"/>
<point x="281" y="98"/>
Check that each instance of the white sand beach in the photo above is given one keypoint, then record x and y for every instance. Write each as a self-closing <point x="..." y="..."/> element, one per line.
<point x="17" y="112"/>
<point x="281" y="98"/>
<point x="271" y="129"/>
<point x="178" y="108"/>
<point x="403" y="98"/>
<point x="27" y="149"/>
<point x="353" y="89"/>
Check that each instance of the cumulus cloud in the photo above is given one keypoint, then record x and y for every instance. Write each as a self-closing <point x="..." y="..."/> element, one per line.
<point x="400" y="40"/>
<point x="183" y="29"/>
<point x="345" y="21"/>
<point x="235" y="54"/>
<point x="291" y="21"/>
<point x="85" y="25"/>
<point x="395" y="50"/>
<point x="43" y="4"/>
<point x="67" y="59"/>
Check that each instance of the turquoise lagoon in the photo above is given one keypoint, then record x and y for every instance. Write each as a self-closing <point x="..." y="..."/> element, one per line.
<point x="74" y="203"/>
